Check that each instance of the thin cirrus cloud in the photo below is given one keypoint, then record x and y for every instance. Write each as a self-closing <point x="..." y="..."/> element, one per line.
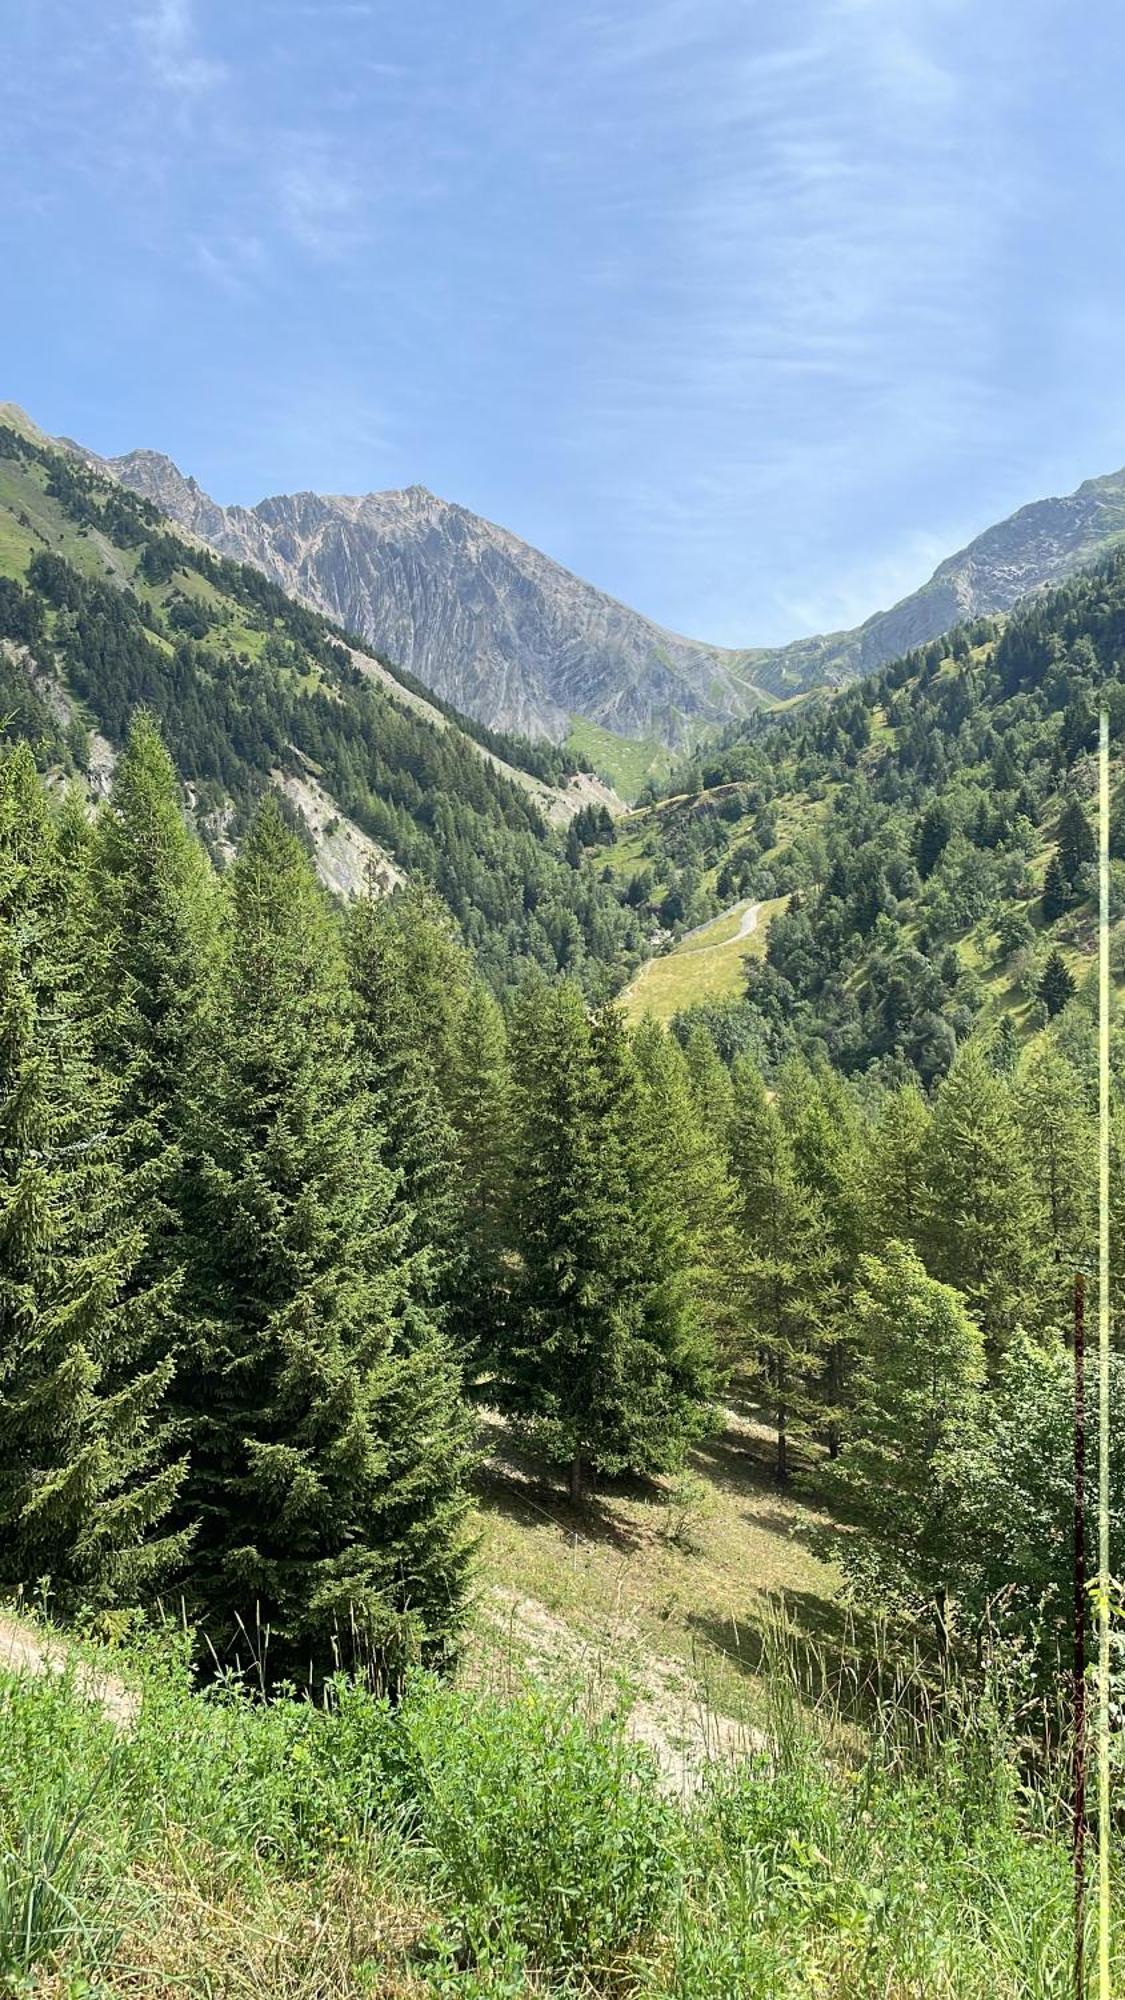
<point x="169" y="41"/>
<point x="745" y="312"/>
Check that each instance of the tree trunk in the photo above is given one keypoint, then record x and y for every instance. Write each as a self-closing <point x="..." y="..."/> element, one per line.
<point x="782" y="1467"/>
<point x="577" y="1479"/>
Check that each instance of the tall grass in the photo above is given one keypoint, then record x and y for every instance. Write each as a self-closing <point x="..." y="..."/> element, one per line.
<point x="880" y="1844"/>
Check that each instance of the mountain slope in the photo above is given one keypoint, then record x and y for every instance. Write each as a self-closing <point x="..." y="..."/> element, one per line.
<point x="1042" y="544"/>
<point x="489" y="623"/>
<point x="104" y="608"/>
<point x="920" y="848"/>
<point x="512" y="638"/>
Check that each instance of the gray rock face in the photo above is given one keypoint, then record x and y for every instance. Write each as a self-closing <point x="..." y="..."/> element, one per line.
<point x="1040" y="545"/>
<point x="511" y="637"/>
<point x="489" y="623"/>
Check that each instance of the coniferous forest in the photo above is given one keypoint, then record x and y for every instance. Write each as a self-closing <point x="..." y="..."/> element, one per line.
<point x="302" y="1198"/>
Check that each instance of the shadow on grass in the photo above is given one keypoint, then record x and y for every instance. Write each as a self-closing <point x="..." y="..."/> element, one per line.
<point x="522" y="1487"/>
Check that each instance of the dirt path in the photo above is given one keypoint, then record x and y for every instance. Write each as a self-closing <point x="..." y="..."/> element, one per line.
<point x="663" y="1704"/>
<point x="26" y="1651"/>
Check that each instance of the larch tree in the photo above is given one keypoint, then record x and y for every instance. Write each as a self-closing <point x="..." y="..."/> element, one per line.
<point x="920" y="1368"/>
<point x="692" y="1181"/>
<point x="985" y="1229"/>
<point x="711" y="1086"/>
<point x="88" y="1471"/>
<point x="1060" y="1143"/>
<point x="823" y="1125"/>
<point x="329" y="1443"/>
<point x="786" y="1269"/>
<point x="896" y="1173"/>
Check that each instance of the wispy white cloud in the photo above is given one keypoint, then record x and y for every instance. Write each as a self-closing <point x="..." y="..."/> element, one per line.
<point x="320" y="204"/>
<point x="170" y="42"/>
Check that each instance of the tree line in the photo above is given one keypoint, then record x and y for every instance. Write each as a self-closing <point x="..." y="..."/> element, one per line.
<point x="285" y="1191"/>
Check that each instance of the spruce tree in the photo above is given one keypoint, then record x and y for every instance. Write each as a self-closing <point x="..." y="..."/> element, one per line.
<point x="605" y="1363"/>
<point x="328" y="1439"/>
<point x="1055" y="899"/>
<point x="410" y="982"/>
<point x="1075" y="845"/>
<point x="481" y="1108"/>
<point x="822" y="1122"/>
<point x="1057" y="984"/>
<point x="87" y="1470"/>
<point x="786" y="1271"/>
<point x="151" y="942"/>
<point x="985" y="1229"/>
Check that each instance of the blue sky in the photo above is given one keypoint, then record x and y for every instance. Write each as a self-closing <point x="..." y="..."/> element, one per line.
<point x="749" y="310"/>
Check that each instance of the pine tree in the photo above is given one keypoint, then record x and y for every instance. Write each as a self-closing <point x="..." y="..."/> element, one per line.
<point x="1055" y="899"/>
<point x="87" y="1472"/>
<point x="986" y="1226"/>
<point x="328" y="1440"/>
<point x="920" y="1369"/>
<point x="785" y="1274"/>
<point x="605" y="1362"/>
<point x="1057" y="984"/>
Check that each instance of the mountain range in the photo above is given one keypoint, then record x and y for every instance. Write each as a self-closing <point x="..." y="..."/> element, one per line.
<point x="511" y="637"/>
<point x="515" y="640"/>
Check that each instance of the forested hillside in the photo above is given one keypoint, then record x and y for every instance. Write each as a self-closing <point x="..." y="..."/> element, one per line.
<point x="289" y="1204"/>
<point x="922" y="843"/>
<point x="104" y="608"/>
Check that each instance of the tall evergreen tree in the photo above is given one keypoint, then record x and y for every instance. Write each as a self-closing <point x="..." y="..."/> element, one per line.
<point x="328" y="1440"/>
<point x="921" y="1364"/>
<point x="822" y="1121"/>
<point x="87" y="1474"/>
<point x="481" y="1106"/>
<point x="896" y="1178"/>
<point x="786" y="1274"/>
<point x="985" y="1227"/>
<point x="692" y="1181"/>
<point x="1057" y="984"/>
<point x="152" y="943"/>
<point x="410" y="982"/>
<point x="1055" y="899"/>
<point x="1075" y="845"/>
<point x="605" y="1362"/>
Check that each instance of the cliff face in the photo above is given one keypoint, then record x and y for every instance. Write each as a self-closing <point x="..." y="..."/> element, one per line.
<point x="509" y="636"/>
<point x="489" y="623"/>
